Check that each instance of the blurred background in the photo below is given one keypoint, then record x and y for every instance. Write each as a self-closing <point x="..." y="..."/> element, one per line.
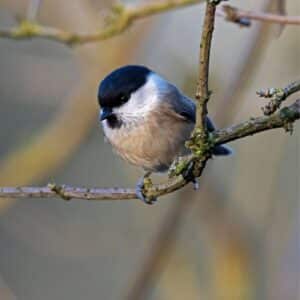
<point x="236" y="238"/>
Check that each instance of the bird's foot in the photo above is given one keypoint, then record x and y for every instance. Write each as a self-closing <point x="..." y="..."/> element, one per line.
<point x="139" y="189"/>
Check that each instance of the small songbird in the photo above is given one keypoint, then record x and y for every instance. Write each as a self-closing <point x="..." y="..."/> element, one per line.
<point x="147" y="119"/>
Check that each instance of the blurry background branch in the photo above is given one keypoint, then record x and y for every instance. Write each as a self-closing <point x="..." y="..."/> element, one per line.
<point x="244" y="17"/>
<point x="121" y="17"/>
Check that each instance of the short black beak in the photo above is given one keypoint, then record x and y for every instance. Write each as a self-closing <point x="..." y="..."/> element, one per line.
<point x="105" y="113"/>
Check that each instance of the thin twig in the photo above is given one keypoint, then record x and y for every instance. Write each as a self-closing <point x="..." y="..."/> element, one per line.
<point x="202" y="93"/>
<point x="122" y="17"/>
<point x="281" y="119"/>
<point x="278" y="96"/>
<point x="244" y="17"/>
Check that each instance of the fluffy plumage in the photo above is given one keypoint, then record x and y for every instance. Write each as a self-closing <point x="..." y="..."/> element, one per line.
<point x="147" y="119"/>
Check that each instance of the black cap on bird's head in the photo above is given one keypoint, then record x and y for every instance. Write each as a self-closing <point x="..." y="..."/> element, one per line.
<point x="115" y="89"/>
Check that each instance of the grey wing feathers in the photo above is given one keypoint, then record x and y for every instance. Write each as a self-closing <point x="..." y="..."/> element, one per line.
<point x="210" y="125"/>
<point x="187" y="108"/>
<point x="183" y="106"/>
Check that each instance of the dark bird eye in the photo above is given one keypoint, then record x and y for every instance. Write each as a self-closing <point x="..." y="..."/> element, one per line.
<point x="123" y="99"/>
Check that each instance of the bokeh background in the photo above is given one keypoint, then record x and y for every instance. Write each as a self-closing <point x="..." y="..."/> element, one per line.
<point x="236" y="238"/>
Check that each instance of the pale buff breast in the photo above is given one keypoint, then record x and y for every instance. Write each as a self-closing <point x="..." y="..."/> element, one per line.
<point x="151" y="143"/>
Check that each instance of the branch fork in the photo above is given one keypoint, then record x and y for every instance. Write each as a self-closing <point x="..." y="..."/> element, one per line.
<point x="277" y="96"/>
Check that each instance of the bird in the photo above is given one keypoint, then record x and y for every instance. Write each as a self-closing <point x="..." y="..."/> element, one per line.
<point x="147" y="120"/>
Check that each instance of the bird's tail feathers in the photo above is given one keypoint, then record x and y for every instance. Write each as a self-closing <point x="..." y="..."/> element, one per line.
<point x="222" y="150"/>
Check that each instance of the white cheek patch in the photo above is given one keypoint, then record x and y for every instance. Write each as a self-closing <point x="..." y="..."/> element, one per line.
<point x="142" y="101"/>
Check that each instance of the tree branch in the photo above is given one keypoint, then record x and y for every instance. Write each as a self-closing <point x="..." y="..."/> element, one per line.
<point x="277" y="96"/>
<point x="282" y="119"/>
<point x="121" y="18"/>
<point x="244" y="17"/>
<point x="67" y="192"/>
<point x="202" y="93"/>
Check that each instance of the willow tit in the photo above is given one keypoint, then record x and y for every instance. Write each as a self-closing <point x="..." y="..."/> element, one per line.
<point x="147" y="119"/>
